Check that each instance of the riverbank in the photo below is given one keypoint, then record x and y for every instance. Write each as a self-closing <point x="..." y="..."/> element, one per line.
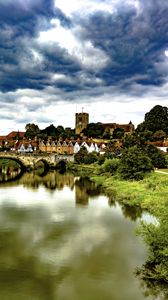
<point x="150" y="194"/>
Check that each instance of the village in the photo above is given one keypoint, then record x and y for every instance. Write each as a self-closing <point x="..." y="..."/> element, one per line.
<point x="18" y="142"/>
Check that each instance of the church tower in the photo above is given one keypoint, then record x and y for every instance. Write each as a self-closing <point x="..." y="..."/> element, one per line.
<point x="81" y="121"/>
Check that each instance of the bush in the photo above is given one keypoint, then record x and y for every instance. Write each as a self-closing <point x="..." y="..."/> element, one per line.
<point x="110" y="165"/>
<point x="101" y="159"/>
<point x="79" y="157"/>
<point x="134" y="163"/>
<point x="90" y="158"/>
<point x="157" y="157"/>
<point x="155" y="270"/>
<point x="166" y="159"/>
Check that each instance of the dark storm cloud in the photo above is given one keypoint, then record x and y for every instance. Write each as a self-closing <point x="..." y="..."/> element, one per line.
<point x="22" y="10"/>
<point x="133" y="41"/>
<point x="20" y="24"/>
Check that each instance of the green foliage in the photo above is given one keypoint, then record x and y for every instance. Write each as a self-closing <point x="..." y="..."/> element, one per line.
<point x="144" y="134"/>
<point x="94" y="130"/>
<point x="156" y="122"/>
<point x="166" y="159"/>
<point x="149" y="194"/>
<point x="133" y="139"/>
<point x="6" y="162"/>
<point x="101" y="159"/>
<point x="90" y="158"/>
<point x="157" y="157"/>
<point x="84" y="157"/>
<point x="118" y="133"/>
<point x="112" y="149"/>
<point x="50" y="131"/>
<point x="159" y="135"/>
<point x="32" y="130"/>
<point x="110" y="165"/>
<point x="134" y="163"/>
<point x="42" y="136"/>
<point x="157" y="119"/>
<point x="57" y="132"/>
<point x="80" y="156"/>
<point x="155" y="270"/>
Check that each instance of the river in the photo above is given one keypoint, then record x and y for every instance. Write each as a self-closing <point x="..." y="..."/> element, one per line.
<point x="62" y="239"/>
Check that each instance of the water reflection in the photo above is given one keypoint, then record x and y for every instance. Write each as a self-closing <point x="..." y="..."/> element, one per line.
<point x="155" y="288"/>
<point x="84" y="188"/>
<point x="9" y="174"/>
<point x="60" y="240"/>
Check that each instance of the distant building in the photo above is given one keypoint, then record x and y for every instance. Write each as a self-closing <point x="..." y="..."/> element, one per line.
<point x="110" y="127"/>
<point x="81" y="122"/>
<point x="15" y="135"/>
<point x="68" y="148"/>
<point x="25" y="148"/>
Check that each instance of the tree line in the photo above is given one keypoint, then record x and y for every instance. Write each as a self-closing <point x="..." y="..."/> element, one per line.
<point x="153" y="128"/>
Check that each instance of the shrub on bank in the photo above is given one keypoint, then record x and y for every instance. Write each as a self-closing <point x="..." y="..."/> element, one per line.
<point x="158" y="158"/>
<point x="84" y="157"/>
<point x="134" y="164"/>
<point x="110" y="165"/>
<point x="90" y="158"/>
<point x="80" y="155"/>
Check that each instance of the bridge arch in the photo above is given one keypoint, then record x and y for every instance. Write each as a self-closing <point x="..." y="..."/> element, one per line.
<point x="16" y="159"/>
<point x="44" y="161"/>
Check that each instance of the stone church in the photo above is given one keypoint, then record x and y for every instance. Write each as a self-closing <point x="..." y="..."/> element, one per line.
<point x="82" y="120"/>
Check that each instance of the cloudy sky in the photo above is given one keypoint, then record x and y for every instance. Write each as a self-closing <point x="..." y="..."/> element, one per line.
<point x="57" y="56"/>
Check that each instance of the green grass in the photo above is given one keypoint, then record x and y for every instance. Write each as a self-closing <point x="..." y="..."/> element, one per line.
<point x="149" y="193"/>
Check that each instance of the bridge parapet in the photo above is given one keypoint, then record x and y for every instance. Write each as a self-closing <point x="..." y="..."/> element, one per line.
<point x="29" y="160"/>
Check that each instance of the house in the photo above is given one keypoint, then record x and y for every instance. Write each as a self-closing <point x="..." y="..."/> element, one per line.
<point x="67" y="147"/>
<point x="25" y="148"/>
<point x="15" y="135"/>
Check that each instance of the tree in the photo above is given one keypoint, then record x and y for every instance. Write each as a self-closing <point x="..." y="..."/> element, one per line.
<point x="154" y="273"/>
<point x="157" y="157"/>
<point x="69" y="132"/>
<point x="90" y="158"/>
<point x="50" y="131"/>
<point x="159" y="135"/>
<point x="60" y="129"/>
<point x="80" y="155"/>
<point x="94" y="130"/>
<point x="144" y="134"/>
<point x="134" y="163"/>
<point x="133" y="139"/>
<point x="110" y="165"/>
<point x="157" y="119"/>
<point x="32" y="130"/>
<point x="118" y="133"/>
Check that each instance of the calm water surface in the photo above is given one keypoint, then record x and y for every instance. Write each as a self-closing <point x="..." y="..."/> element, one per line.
<point x="61" y="239"/>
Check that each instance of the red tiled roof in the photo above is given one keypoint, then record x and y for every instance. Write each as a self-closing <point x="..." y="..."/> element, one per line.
<point x="2" y="138"/>
<point x="13" y="134"/>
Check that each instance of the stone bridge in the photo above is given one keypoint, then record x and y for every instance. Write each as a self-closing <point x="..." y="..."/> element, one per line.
<point x="30" y="160"/>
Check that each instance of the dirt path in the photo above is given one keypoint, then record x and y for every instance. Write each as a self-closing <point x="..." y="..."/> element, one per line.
<point x="162" y="172"/>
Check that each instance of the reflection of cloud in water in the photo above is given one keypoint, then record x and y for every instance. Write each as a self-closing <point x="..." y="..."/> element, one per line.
<point x="23" y="197"/>
<point x="96" y="244"/>
<point x="81" y="241"/>
<point x="149" y="219"/>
